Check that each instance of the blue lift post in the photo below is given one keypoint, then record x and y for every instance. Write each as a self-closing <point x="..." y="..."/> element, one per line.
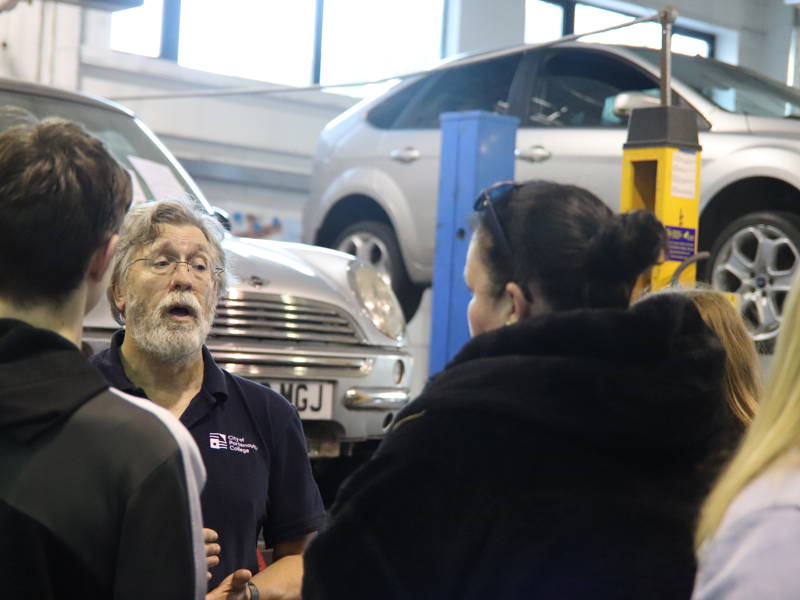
<point x="477" y="151"/>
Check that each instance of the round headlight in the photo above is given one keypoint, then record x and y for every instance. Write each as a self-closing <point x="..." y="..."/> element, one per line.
<point x="378" y="301"/>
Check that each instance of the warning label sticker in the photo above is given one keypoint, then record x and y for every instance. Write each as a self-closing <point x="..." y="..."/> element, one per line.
<point x="680" y="243"/>
<point x="684" y="173"/>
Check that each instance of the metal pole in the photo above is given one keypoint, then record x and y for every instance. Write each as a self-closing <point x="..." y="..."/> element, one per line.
<point x="667" y="17"/>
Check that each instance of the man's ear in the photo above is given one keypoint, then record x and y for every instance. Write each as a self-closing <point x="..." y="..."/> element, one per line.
<point x="115" y="294"/>
<point x="521" y="307"/>
<point x="101" y="259"/>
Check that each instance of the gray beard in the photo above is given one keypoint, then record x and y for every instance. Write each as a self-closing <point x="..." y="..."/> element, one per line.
<point x="167" y="341"/>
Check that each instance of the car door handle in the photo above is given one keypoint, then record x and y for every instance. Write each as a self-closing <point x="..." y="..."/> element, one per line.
<point x="404" y="155"/>
<point x="532" y="154"/>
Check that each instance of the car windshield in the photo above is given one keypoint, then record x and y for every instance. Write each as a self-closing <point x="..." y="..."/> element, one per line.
<point x="731" y="88"/>
<point x="155" y="174"/>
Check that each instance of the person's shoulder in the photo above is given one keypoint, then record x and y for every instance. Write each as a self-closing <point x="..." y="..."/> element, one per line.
<point x="105" y="362"/>
<point x="121" y="421"/>
<point x="778" y="487"/>
<point x="753" y="550"/>
<point x="100" y="358"/>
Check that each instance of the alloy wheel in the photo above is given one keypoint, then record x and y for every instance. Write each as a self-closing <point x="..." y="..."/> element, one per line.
<point x="371" y="250"/>
<point x="758" y="263"/>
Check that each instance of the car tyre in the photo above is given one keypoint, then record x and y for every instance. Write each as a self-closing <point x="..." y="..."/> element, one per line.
<point x="375" y="243"/>
<point x="756" y="257"/>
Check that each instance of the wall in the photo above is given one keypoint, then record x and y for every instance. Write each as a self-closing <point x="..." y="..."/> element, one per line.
<point x="467" y="24"/>
<point x="753" y="33"/>
<point x="40" y="42"/>
<point x="252" y="153"/>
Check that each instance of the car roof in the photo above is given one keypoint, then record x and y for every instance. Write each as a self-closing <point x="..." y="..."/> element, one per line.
<point x="36" y="89"/>
<point x="481" y="55"/>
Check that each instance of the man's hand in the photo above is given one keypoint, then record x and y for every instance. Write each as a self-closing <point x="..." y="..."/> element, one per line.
<point x="212" y="549"/>
<point x="233" y="587"/>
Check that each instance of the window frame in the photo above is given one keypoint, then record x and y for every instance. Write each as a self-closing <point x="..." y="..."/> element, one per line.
<point x="568" y="24"/>
<point x="171" y="25"/>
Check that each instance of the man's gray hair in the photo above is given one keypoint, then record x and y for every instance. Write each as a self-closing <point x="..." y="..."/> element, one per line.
<point x="142" y="227"/>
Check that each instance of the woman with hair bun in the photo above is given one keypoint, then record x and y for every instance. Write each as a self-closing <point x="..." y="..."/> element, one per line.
<point x="564" y="451"/>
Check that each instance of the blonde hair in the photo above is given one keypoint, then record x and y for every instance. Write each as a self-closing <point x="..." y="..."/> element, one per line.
<point x="742" y="368"/>
<point x="742" y="379"/>
<point x="775" y="429"/>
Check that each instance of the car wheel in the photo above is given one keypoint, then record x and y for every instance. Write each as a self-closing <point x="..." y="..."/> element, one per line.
<point x="757" y="257"/>
<point x="375" y="244"/>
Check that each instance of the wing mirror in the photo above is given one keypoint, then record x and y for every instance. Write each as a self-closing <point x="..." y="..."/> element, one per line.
<point x="223" y="217"/>
<point x="625" y="102"/>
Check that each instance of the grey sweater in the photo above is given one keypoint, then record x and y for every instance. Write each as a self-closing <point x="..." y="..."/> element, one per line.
<point x="756" y="551"/>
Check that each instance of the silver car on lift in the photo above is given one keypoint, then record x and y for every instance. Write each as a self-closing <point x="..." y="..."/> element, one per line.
<point x="315" y="324"/>
<point x="374" y="182"/>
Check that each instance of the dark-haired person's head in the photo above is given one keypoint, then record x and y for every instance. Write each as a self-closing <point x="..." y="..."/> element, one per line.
<point x="541" y="247"/>
<point x="62" y="197"/>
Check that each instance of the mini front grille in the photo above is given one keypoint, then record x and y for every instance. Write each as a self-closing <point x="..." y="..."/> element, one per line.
<point x="256" y="316"/>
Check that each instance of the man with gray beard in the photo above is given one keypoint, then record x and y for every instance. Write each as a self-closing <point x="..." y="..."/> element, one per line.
<point x="167" y="275"/>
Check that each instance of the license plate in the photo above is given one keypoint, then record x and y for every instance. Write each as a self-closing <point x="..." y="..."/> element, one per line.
<point x="312" y="399"/>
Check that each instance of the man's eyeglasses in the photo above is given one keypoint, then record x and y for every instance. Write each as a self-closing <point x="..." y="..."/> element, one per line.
<point x="486" y="201"/>
<point x="198" y="267"/>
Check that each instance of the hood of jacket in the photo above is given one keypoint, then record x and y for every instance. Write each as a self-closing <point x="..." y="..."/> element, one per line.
<point x="44" y="378"/>
<point x="648" y="376"/>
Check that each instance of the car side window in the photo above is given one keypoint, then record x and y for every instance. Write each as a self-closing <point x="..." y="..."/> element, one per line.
<point x="575" y="88"/>
<point x="479" y="86"/>
<point x="385" y="113"/>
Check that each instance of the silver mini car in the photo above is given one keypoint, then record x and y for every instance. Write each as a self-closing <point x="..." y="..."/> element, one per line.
<point x="374" y="182"/>
<point x="315" y="324"/>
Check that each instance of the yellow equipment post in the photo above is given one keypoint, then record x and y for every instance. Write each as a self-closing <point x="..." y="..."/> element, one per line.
<point x="661" y="173"/>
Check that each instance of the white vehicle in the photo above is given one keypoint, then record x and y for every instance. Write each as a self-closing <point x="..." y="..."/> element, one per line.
<point x="375" y="175"/>
<point x="315" y="324"/>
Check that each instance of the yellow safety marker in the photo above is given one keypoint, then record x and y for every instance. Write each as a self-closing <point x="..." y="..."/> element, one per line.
<point x="661" y="173"/>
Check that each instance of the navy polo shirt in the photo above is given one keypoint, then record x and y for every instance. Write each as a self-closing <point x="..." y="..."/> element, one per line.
<point x="252" y="444"/>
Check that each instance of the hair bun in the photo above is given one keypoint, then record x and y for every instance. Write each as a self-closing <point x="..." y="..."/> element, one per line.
<point x="626" y="246"/>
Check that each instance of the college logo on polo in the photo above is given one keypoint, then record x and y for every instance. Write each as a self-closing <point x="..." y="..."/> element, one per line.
<point x="232" y="443"/>
<point x="218" y="441"/>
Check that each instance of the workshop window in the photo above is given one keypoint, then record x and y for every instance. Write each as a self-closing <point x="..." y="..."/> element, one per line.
<point x="589" y="18"/>
<point x="267" y="41"/>
<point x="542" y="24"/>
<point x="138" y="30"/>
<point x="544" y="21"/>
<point x="296" y="43"/>
<point x="365" y="40"/>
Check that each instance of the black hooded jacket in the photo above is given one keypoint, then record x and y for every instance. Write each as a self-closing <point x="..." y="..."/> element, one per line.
<point x="98" y="494"/>
<point x="562" y="457"/>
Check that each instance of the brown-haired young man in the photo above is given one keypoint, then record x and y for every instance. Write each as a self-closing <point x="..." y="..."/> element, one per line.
<point x="98" y="491"/>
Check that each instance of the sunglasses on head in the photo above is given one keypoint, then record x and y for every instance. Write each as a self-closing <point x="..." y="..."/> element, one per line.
<point x="486" y="201"/>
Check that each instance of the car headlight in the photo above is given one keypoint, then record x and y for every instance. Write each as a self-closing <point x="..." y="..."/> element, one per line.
<point x="377" y="300"/>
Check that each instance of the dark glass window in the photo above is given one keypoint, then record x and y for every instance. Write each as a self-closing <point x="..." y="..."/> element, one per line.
<point x="479" y="86"/>
<point x="384" y="114"/>
<point x="732" y="88"/>
<point x="577" y="89"/>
